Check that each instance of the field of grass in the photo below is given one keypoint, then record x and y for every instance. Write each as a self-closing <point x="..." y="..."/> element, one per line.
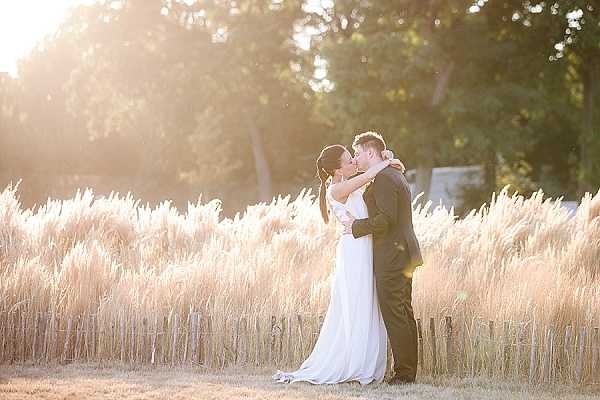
<point x="80" y="382"/>
<point x="520" y="260"/>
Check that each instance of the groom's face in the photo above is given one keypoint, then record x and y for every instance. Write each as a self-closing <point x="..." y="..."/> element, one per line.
<point x="361" y="157"/>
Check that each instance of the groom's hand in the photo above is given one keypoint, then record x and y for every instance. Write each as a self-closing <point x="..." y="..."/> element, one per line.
<point x="348" y="223"/>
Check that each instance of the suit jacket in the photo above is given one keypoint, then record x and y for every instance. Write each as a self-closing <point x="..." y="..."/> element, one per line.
<point x="395" y="245"/>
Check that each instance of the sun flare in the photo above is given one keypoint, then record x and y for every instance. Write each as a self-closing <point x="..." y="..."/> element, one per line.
<point x="24" y="23"/>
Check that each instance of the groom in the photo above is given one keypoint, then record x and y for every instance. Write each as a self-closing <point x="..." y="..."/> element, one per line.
<point x="396" y="252"/>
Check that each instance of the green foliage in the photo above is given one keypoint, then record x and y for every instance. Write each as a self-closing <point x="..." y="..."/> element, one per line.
<point x="180" y="91"/>
<point x="450" y="87"/>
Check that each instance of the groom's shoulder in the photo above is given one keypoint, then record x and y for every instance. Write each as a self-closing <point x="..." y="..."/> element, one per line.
<point x="391" y="172"/>
<point x="391" y="175"/>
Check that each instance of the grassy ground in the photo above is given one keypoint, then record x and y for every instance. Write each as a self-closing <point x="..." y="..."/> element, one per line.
<point x="81" y="381"/>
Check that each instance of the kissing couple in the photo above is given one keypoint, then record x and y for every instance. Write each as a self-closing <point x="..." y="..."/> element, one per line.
<point x="371" y="289"/>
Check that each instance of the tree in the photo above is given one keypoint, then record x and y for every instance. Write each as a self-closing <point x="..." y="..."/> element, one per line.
<point x="575" y="27"/>
<point x="206" y="90"/>
<point x="442" y="80"/>
<point x="449" y="82"/>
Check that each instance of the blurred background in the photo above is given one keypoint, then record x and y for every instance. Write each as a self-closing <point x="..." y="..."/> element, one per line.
<point x="233" y="99"/>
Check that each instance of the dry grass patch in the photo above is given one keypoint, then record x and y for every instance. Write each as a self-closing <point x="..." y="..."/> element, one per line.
<point x="80" y="382"/>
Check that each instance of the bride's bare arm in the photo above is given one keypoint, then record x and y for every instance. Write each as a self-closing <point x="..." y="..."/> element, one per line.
<point x="341" y="191"/>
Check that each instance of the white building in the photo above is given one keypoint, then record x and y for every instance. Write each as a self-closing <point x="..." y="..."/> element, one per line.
<point x="448" y="182"/>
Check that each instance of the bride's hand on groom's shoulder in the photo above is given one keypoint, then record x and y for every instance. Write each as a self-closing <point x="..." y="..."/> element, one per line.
<point x="387" y="154"/>
<point x="395" y="163"/>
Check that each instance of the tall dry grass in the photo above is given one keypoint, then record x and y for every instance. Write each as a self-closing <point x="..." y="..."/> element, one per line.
<point x="518" y="259"/>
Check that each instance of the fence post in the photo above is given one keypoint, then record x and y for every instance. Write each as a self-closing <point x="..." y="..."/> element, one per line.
<point x="41" y="331"/>
<point x="519" y="349"/>
<point x="272" y="339"/>
<point x="462" y="351"/>
<point x="222" y="343"/>
<point x="95" y="334"/>
<point x="201" y="340"/>
<point x="552" y="372"/>
<point x="300" y="335"/>
<point x="533" y="354"/>
<point x="210" y="348"/>
<point x="282" y="330"/>
<point x="132" y="340"/>
<point x="545" y="354"/>
<point x="492" y="348"/>
<point x="420" y="342"/>
<point x="595" y="354"/>
<point x="258" y="341"/>
<point x="86" y="336"/>
<point x="506" y="349"/>
<point x="434" y="368"/>
<point x="449" y="346"/>
<point x="23" y="337"/>
<point x="246" y="339"/>
<point x="47" y="331"/>
<point x="144" y="337"/>
<point x="290" y="342"/>
<point x="36" y="323"/>
<point x="2" y="336"/>
<point x="236" y="341"/>
<point x="174" y="342"/>
<point x="78" y="339"/>
<point x="67" y="339"/>
<point x="167" y="326"/>
<point x="13" y="336"/>
<point x="186" y="340"/>
<point x="566" y="356"/>
<point x="194" y="329"/>
<point x="55" y="346"/>
<point x="122" y="336"/>
<point x="154" y="339"/>
<point x="580" y="355"/>
<point x="475" y="352"/>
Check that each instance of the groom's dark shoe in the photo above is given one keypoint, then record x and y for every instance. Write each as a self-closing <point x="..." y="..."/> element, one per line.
<point x="399" y="380"/>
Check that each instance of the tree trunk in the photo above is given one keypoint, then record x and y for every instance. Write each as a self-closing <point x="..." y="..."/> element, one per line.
<point x="587" y="133"/>
<point x="263" y="172"/>
<point x="441" y="84"/>
<point x="490" y="172"/>
<point x="424" y="170"/>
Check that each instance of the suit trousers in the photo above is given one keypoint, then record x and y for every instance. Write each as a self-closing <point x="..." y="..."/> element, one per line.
<point x="394" y="291"/>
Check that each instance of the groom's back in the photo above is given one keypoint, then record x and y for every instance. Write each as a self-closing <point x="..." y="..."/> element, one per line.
<point x="403" y="229"/>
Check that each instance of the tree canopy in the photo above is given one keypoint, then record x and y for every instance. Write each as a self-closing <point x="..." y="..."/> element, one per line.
<point x="245" y="93"/>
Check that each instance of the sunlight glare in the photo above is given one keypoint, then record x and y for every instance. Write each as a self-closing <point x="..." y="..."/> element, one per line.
<point x="24" y="23"/>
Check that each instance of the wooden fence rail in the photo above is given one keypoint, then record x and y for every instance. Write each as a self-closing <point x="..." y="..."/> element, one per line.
<point x="523" y="351"/>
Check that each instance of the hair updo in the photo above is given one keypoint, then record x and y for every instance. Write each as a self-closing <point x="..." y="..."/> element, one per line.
<point x="328" y="161"/>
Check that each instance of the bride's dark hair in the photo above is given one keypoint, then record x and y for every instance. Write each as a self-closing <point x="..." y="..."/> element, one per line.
<point x="328" y="161"/>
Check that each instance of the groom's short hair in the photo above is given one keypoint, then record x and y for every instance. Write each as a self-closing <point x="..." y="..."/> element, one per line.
<point x="369" y="139"/>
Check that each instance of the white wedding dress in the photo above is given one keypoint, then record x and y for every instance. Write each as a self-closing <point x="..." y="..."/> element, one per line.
<point x="352" y="344"/>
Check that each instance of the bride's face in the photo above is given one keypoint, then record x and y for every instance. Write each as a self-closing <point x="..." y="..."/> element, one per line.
<point x="347" y="165"/>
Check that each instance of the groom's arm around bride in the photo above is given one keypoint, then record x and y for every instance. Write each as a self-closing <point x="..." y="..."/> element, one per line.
<point x="388" y="201"/>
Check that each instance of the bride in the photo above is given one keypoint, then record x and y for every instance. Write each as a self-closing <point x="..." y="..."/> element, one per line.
<point x="352" y="344"/>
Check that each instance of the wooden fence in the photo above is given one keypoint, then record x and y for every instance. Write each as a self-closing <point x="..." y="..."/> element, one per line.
<point x="520" y="351"/>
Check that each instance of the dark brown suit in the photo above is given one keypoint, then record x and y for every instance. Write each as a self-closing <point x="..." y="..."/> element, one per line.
<point x="396" y="254"/>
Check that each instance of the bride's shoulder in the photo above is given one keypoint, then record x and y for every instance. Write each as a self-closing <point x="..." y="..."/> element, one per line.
<point x="328" y="195"/>
<point x="331" y="199"/>
<point x="330" y="189"/>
